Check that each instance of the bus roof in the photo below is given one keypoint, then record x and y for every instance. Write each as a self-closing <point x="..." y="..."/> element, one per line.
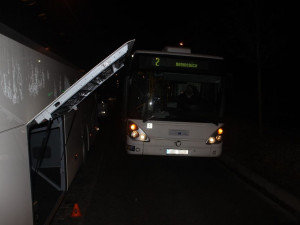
<point x="177" y="49"/>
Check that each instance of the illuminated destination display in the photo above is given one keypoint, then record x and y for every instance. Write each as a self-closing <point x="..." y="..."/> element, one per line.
<point x="178" y="63"/>
<point x="186" y="65"/>
<point x="175" y="63"/>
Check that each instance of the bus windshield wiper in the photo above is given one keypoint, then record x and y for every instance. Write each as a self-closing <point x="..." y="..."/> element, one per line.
<point x="147" y="114"/>
<point x="146" y="118"/>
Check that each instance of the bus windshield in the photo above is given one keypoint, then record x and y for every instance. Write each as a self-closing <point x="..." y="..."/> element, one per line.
<point x="174" y="103"/>
<point x="170" y="95"/>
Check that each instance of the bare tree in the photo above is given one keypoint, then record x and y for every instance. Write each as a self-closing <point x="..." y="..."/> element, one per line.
<point x="252" y="33"/>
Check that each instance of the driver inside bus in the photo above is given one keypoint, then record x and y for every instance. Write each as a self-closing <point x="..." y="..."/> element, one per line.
<point x="188" y="98"/>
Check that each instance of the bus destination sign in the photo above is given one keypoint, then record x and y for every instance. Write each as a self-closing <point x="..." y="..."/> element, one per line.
<point x="172" y="63"/>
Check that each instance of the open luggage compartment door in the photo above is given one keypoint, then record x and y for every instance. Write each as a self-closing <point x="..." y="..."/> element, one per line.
<point x="75" y="94"/>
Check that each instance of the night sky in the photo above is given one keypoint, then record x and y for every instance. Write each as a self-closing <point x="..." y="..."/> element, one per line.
<point x="251" y="35"/>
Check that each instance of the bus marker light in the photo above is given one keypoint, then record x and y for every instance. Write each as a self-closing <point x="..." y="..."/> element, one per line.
<point x="133" y="126"/>
<point x="220" y="131"/>
<point x="149" y="125"/>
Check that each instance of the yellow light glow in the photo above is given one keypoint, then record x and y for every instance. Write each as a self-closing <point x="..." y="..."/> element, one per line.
<point x="211" y="140"/>
<point x="133" y="127"/>
<point x="220" y="131"/>
<point x="143" y="137"/>
<point x="219" y="137"/>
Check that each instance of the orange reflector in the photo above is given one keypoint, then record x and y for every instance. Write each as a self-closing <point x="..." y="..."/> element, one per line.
<point x="220" y="131"/>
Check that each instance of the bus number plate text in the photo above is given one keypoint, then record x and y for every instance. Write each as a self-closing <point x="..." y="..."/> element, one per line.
<point x="177" y="152"/>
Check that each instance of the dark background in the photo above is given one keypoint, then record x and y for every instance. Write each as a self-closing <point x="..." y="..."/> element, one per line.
<point x="255" y="37"/>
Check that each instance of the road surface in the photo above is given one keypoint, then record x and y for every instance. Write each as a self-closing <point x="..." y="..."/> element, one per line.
<point x="113" y="188"/>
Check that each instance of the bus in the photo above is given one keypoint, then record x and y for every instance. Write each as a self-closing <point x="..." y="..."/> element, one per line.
<point x="174" y="103"/>
<point x="48" y="125"/>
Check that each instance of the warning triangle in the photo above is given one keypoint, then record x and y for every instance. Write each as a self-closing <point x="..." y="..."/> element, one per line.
<point x="76" y="211"/>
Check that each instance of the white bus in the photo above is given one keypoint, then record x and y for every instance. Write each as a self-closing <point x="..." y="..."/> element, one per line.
<point x="48" y="121"/>
<point x="174" y="103"/>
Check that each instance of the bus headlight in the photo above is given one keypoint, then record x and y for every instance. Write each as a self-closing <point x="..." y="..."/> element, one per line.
<point x="211" y="140"/>
<point x="136" y="133"/>
<point x="216" y="137"/>
<point x="143" y="137"/>
<point x="219" y="138"/>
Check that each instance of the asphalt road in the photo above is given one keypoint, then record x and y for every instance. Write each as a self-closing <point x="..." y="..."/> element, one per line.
<point x="113" y="188"/>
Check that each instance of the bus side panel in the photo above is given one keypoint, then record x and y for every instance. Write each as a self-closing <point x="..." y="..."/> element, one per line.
<point x="29" y="81"/>
<point x="90" y="120"/>
<point x="15" y="189"/>
<point x="80" y="133"/>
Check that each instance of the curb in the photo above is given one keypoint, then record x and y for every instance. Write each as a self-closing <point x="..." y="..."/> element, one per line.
<point x="282" y="197"/>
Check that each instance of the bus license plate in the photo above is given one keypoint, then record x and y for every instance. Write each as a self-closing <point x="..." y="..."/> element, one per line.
<point x="177" y="152"/>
